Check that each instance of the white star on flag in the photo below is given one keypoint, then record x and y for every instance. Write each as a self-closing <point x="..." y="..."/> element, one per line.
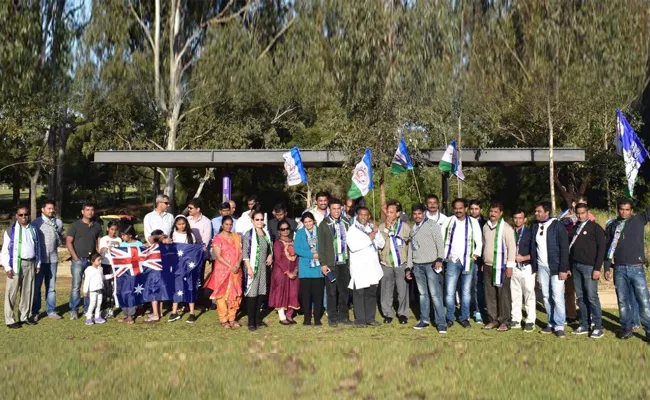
<point x="138" y="289"/>
<point x="180" y="253"/>
<point x="185" y="279"/>
<point x="180" y="293"/>
<point x="171" y="269"/>
<point x="191" y="265"/>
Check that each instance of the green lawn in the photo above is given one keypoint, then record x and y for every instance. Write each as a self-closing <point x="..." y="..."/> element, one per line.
<point x="66" y="359"/>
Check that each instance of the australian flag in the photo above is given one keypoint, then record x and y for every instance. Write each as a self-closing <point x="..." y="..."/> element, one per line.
<point x="161" y="272"/>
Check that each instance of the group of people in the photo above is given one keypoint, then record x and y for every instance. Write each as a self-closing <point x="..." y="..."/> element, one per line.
<point x="334" y="255"/>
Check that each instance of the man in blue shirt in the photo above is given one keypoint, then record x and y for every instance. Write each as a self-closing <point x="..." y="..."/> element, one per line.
<point x="224" y="210"/>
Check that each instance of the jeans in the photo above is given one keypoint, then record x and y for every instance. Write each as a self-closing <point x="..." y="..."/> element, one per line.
<point x="47" y="275"/>
<point x="77" y="269"/>
<point x="453" y="272"/>
<point x="478" y="293"/>
<point x="636" y="321"/>
<point x="587" y="294"/>
<point x="632" y="279"/>
<point x="553" y="294"/>
<point x="430" y="286"/>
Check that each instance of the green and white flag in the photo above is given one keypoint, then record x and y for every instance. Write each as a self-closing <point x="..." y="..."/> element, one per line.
<point x="449" y="161"/>
<point x="402" y="159"/>
<point x="362" y="177"/>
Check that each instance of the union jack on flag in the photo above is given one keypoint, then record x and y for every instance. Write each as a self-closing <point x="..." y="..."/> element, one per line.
<point x="135" y="259"/>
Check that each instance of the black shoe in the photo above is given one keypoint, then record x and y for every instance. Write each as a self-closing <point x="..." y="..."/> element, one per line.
<point x="465" y="324"/>
<point x="625" y="335"/>
<point x="191" y="319"/>
<point x="318" y="323"/>
<point x="284" y="322"/>
<point x="347" y="322"/>
<point x="529" y="327"/>
<point x="373" y="323"/>
<point x="306" y="323"/>
<point x="252" y="328"/>
<point x="402" y="320"/>
<point x="14" y="326"/>
<point x="450" y="324"/>
<point x="262" y="324"/>
<point x="174" y="317"/>
<point x="360" y="325"/>
<point x="333" y="323"/>
<point x="388" y="320"/>
<point x="29" y="322"/>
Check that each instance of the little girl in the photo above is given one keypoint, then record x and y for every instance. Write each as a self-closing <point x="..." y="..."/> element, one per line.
<point x="93" y="288"/>
<point x="105" y="243"/>
<point x="129" y="239"/>
<point x="182" y="233"/>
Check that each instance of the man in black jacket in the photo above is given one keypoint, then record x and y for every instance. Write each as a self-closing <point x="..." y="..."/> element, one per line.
<point x="587" y="252"/>
<point x="627" y="256"/>
<point x="549" y="251"/>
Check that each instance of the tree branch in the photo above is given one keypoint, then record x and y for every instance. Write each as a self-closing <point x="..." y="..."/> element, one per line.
<point x="220" y="19"/>
<point x="21" y="163"/>
<point x="275" y="39"/>
<point x="196" y="139"/>
<point x="514" y="54"/>
<point x="155" y="144"/>
<point x="142" y="24"/>
<point x="279" y="115"/>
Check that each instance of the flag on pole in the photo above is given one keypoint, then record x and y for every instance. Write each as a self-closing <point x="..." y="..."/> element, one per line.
<point x="362" y="177"/>
<point x="293" y="165"/>
<point x="449" y="161"/>
<point x="402" y="159"/>
<point x="631" y="148"/>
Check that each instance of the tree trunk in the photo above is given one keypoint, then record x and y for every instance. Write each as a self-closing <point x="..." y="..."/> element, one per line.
<point x="551" y="165"/>
<point x="33" y="193"/>
<point x="15" y="187"/>
<point x="51" y="177"/>
<point x="156" y="183"/>
<point x="202" y="182"/>
<point x="60" y="167"/>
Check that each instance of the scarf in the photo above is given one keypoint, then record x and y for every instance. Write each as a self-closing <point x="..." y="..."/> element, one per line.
<point x="15" y="250"/>
<point x="395" y="242"/>
<point x="254" y="249"/>
<point x="582" y="225"/>
<point x="468" y="260"/>
<point x="312" y="240"/>
<point x="617" y="236"/>
<point x="338" y="236"/>
<point x="363" y="229"/>
<point x="498" y="262"/>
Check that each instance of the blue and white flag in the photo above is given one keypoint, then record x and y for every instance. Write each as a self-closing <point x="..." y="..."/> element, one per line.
<point x="402" y="159"/>
<point x="293" y="165"/>
<point x="362" y="177"/>
<point x="631" y="148"/>
<point x="449" y="161"/>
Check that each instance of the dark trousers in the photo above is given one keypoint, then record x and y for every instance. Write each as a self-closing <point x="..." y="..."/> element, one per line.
<point x="587" y="293"/>
<point x="311" y="292"/>
<point x="365" y="304"/>
<point x="497" y="299"/>
<point x="337" y="306"/>
<point x="570" y="298"/>
<point x="253" y="306"/>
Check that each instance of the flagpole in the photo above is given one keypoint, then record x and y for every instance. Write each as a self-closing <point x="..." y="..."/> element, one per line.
<point x="308" y="196"/>
<point x="417" y="188"/>
<point x="373" y="203"/>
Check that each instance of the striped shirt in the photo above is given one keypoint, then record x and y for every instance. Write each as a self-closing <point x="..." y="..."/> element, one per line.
<point x="51" y="236"/>
<point x="425" y="240"/>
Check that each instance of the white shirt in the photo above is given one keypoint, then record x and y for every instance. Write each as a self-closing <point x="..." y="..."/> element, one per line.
<point x="540" y="242"/>
<point x="178" y="237"/>
<point x="458" y="246"/>
<point x="93" y="279"/>
<point x="27" y="249"/>
<point x="153" y="221"/>
<point x="245" y="223"/>
<point x="108" y="242"/>
<point x="365" y="269"/>
<point x="317" y="214"/>
<point x="439" y="217"/>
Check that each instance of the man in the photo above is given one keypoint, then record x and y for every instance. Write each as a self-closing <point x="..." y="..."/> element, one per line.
<point x="499" y="251"/>
<point x="364" y="240"/>
<point x="158" y="219"/>
<point x="550" y="256"/>
<point x="627" y="256"/>
<point x="433" y="210"/>
<point x="478" y="295"/>
<point x="225" y="209"/>
<point x="50" y="236"/>
<point x="587" y="253"/>
<point x="21" y="260"/>
<point x="245" y="222"/>
<point x="522" y="284"/>
<point x="280" y="214"/>
<point x="233" y="209"/>
<point x="425" y="261"/>
<point x="82" y="239"/>
<point x="201" y="225"/>
<point x="394" y="258"/>
<point x="463" y="245"/>
<point x="320" y="209"/>
<point x="349" y="208"/>
<point x="333" y="255"/>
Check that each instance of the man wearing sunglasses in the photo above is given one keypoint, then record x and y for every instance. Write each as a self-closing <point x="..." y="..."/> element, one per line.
<point x="21" y="262"/>
<point x="549" y="256"/>
<point x="159" y="219"/>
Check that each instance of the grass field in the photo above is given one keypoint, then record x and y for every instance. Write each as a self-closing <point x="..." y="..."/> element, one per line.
<point x="67" y="359"/>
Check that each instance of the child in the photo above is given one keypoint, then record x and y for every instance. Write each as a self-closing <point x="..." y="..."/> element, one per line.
<point x="93" y="288"/>
<point x="105" y="243"/>
<point x="129" y="239"/>
<point x="182" y="233"/>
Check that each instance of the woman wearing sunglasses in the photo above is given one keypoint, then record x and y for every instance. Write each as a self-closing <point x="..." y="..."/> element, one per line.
<point x="284" y="276"/>
<point x="258" y="255"/>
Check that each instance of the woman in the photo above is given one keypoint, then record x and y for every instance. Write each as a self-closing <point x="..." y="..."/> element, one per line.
<point x="129" y="239"/>
<point x="226" y="278"/>
<point x="312" y="283"/>
<point x="284" y="276"/>
<point x="258" y="254"/>
<point x="105" y="243"/>
<point x="182" y="233"/>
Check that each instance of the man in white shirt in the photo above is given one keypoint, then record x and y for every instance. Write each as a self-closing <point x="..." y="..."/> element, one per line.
<point x="245" y="222"/>
<point x="463" y="245"/>
<point x="320" y="209"/>
<point x="433" y="210"/>
<point x="158" y="219"/>
<point x="364" y="241"/>
<point x="21" y="262"/>
<point x="50" y="230"/>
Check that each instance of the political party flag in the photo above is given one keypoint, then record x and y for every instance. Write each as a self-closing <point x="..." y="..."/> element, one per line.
<point x="161" y="272"/>
<point x="449" y="161"/>
<point x="293" y="165"/>
<point x="362" y="177"/>
<point x="402" y="159"/>
<point x="631" y="148"/>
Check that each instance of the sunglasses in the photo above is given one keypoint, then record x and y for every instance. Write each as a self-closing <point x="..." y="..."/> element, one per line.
<point x="260" y="220"/>
<point x="283" y="229"/>
<point x="166" y="202"/>
<point x="23" y="215"/>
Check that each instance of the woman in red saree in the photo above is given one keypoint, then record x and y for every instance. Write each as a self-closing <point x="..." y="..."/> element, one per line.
<point x="284" y="276"/>
<point x="226" y="278"/>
